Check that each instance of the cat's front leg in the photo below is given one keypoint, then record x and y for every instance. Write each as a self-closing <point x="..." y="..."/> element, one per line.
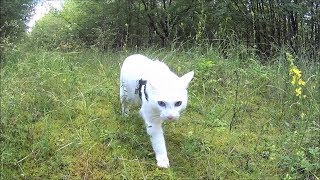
<point x="158" y="144"/>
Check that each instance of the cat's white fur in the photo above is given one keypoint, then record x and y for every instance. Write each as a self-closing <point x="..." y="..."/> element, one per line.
<point x="166" y="97"/>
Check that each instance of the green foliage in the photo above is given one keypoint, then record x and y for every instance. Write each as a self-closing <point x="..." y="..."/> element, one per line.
<point x="60" y="118"/>
<point x="246" y="119"/>
<point x="60" y="114"/>
<point x="299" y="153"/>
<point x="53" y="32"/>
<point x="14" y="14"/>
<point x="264" y="26"/>
<point x="204" y="70"/>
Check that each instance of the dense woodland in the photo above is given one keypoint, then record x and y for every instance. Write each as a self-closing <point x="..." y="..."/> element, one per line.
<point x="14" y="15"/>
<point x="265" y="25"/>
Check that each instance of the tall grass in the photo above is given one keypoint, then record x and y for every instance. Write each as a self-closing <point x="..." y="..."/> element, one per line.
<point x="60" y="119"/>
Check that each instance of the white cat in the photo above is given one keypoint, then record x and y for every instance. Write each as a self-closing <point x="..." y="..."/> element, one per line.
<point x="161" y="94"/>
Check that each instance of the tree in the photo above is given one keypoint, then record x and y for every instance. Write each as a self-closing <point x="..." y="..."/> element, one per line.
<point x="14" y="15"/>
<point x="265" y="25"/>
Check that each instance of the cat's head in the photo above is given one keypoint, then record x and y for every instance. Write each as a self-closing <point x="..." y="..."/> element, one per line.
<point x="169" y="98"/>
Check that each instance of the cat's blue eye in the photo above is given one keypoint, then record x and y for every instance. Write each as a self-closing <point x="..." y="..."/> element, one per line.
<point x="178" y="103"/>
<point x="162" y="104"/>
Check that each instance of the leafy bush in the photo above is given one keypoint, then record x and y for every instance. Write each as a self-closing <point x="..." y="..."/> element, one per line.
<point x="53" y="32"/>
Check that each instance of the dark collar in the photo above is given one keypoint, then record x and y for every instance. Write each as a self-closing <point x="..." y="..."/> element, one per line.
<point x="138" y="89"/>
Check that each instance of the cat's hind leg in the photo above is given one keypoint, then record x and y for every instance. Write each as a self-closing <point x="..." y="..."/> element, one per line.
<point x="124" y="99"/>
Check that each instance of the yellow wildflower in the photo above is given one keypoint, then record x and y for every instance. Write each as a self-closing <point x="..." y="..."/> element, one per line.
<point x="295" y="71"/>
<point x="294" y="80"/>
<point x="298" y="91"/>
<point x="301" y="82"/>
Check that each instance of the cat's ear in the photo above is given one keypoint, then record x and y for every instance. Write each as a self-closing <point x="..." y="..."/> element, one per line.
<point x="185" y="79"/>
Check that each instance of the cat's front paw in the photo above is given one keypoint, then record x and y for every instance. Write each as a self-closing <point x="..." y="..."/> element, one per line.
<point x="163" y="162"/>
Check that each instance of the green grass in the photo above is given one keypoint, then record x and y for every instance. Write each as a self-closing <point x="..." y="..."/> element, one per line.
<point x="60" y="119"/>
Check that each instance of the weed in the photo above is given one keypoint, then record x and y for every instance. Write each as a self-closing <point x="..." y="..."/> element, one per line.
<point x="60" y="119"/>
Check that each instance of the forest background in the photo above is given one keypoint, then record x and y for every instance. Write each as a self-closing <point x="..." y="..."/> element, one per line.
<point x="264" y="26"/>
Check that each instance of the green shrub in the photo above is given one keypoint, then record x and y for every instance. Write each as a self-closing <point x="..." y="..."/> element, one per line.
<point x="53" y="32"/>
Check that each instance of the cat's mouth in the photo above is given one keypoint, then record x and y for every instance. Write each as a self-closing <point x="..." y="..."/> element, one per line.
<point x="172" y="118"/>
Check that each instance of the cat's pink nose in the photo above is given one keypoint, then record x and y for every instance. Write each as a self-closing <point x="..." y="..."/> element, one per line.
<point x="170" y="117"/>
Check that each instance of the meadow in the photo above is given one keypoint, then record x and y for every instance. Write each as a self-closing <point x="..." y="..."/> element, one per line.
<point x="60" y="117"/>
